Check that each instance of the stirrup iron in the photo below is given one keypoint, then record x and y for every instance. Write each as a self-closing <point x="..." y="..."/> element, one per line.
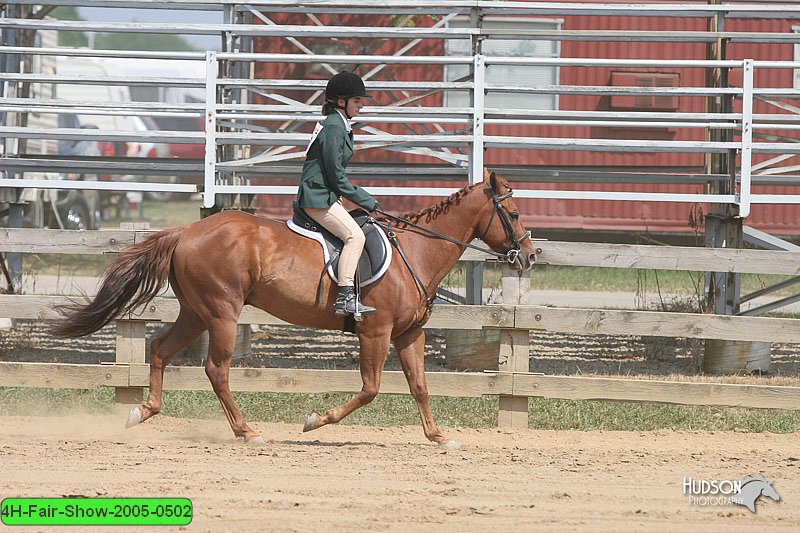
<point x="347" y="303"/>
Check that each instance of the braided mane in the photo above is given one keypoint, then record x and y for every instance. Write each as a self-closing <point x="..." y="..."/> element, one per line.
<point x="434" y="211"/>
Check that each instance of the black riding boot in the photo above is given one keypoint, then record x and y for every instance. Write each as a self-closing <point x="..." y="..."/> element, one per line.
<point x="347" y="303"/>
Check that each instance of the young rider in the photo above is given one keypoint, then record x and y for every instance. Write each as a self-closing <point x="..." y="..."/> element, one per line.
<point x="324" y="182"/>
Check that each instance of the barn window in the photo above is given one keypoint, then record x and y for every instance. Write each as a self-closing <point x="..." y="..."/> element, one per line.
<point x="520" y="75"/>
<point x="644" y="102"/>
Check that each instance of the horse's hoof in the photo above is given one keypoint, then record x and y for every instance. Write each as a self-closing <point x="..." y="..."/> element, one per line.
<point x="256" y="440"/>
<point x="134" y="418"/>
<point x="312" y="422"/>
<point x="450" y="445"/>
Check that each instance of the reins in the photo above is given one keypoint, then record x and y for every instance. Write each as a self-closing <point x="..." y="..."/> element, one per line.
<point x="392" y="236"/>
<point x="439" y="235"/>
<point x="512" y="256"/>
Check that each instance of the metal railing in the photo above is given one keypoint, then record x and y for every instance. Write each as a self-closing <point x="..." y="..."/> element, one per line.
<point x="239" y="118"/>
<point x="234" y="141"/>
<point x="742" y="124"/>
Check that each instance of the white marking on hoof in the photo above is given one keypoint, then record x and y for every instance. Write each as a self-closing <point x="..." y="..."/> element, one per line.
<point x="134" y="418"/>
<point x="450" y="445"/>
<point x="312" y="422"/>
<point x="257" y="440"/>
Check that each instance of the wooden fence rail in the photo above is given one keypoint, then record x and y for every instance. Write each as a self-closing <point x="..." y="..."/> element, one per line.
<point x="515" y="321"/>
<point x="477" y="317"/>
<point x="549" y="252"/>
<point x="456" y="384"/>
<point x="512" y="383"/>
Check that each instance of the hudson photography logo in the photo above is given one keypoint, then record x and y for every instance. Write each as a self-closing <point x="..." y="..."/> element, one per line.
<point x="724" y="492"/>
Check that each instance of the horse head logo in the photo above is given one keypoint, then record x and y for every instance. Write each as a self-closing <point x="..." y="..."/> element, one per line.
<point x="752" y="488"/>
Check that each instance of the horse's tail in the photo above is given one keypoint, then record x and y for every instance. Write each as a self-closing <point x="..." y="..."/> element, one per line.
<point x="135" y="276"/>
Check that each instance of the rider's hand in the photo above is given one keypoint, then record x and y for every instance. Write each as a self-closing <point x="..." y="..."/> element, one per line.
<point x="376" y="208"/>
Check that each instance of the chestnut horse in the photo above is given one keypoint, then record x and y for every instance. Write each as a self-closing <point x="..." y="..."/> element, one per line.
<point x="217" y="265"/>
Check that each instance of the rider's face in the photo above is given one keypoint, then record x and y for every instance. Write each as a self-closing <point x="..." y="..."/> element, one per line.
<point x="354" y="105"/>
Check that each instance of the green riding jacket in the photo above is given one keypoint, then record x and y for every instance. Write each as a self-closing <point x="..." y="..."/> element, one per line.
<point x="324" y="179"/>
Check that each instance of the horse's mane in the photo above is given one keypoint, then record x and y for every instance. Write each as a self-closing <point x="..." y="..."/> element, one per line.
<point x="433" y="211"/>
<point x="747" y="479"/>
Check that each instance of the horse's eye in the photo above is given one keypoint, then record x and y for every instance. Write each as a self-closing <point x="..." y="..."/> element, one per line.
<point x="514" y="215"/>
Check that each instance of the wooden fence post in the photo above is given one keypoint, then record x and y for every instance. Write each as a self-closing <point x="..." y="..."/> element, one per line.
<point x="514" y="350"/>
<point x="130" y="340"/>
<point x="130" y="349"/>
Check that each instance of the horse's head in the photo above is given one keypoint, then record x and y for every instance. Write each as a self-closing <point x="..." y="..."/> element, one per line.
<point x="752" y="488"/>
<point x="769" y="491"/>
<point x="499" y="224"/>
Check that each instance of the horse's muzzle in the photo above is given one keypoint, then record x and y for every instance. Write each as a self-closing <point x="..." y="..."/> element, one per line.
<point x="527" y="261"/>
<point x="520" y="260"/>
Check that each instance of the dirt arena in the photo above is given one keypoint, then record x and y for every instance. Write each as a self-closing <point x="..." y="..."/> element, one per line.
<point x="353" y="478"/>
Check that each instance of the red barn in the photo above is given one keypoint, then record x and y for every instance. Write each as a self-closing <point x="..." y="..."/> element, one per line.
<point x="549" y="216"/>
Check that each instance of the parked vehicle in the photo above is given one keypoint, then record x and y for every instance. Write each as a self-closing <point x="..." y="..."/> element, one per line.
<point x="161" y="151"/>
<point x="138" y="68"/>
<point x="181" y="150"/>
<point x="66" y="208"/>
<point x="106" y="93"/>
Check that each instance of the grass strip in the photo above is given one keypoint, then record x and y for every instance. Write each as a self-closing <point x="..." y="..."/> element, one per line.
<point x="396" y="410"/>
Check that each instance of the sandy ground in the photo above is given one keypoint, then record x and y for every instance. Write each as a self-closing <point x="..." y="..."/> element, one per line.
<point x="354" y="478"/>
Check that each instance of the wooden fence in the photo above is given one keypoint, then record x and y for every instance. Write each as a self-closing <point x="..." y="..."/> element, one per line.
<point x="512" y="382"/>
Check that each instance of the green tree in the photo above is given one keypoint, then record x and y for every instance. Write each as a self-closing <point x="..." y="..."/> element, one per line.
<point x="117" y="41"/>
<point x="72" y="39"/>
<point x="142" y="41"/>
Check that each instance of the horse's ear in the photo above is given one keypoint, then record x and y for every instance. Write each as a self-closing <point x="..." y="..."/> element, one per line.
<point x="486" y="175"/>
<point x="492" y="179"/>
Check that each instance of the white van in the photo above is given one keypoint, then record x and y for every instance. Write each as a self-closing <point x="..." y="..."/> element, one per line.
<point x="67" y="208"/>
<point x="73" y="208"/>
<point x="109" y="95"/>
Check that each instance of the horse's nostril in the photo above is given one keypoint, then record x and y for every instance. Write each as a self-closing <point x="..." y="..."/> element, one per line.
<point x="531" y="258"/>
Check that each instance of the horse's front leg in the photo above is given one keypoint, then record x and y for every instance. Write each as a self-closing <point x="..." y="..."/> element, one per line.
<point x="410" y="348"/>
<point x="373" y="350"/>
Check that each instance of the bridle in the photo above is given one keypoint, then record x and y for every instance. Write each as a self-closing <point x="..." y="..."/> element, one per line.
<point x="511" y="256"/>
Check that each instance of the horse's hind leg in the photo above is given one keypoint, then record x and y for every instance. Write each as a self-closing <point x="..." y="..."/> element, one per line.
<point x="186" y="329"/>
<point x="221" y="341"/>
<point x="410" y="348"/>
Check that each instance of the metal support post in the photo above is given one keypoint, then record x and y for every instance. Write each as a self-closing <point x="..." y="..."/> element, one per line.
<point x="724" y="222"/>
<point x="14" y="259"/>
<point x="212" y="70"/>
<point x="474" y="270"/>
<point x="747" y="138"/>
<point x="474" y="282"/>
<point x="478" y="105"/>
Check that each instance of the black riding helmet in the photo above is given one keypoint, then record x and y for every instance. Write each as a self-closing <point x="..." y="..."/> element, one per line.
<point x="344" y="85"/>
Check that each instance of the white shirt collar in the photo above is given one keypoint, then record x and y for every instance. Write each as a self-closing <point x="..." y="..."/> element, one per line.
<point x="347" y="125"/>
